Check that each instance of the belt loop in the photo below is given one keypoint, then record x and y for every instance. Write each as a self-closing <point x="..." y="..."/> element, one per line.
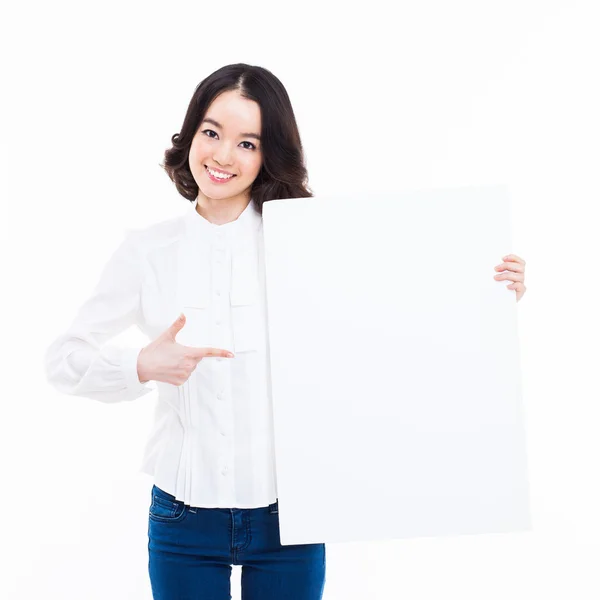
<point x="274" y="508"/>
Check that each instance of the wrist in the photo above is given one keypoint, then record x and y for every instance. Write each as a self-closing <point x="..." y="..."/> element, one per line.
<point x="143" y="375"/>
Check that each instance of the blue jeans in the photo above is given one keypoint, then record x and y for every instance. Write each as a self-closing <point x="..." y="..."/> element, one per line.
<point x="191" y="551"/>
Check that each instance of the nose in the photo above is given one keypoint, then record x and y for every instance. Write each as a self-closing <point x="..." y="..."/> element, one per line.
<point x="222" y="154"/>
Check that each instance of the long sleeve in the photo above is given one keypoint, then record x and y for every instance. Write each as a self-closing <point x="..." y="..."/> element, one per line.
<point x="80" y="362"/>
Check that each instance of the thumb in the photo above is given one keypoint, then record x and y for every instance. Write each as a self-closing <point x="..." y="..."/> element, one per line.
<point x="176" y="326"/>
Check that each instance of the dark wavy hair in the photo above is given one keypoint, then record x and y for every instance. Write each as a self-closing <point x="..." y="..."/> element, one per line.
<point x="283" y="171"/>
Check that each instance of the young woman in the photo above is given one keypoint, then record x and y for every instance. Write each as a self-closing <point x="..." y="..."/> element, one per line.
<point x="195" y="285"/>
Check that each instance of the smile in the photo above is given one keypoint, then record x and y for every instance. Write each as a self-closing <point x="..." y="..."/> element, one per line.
<point x="216" y="176"/>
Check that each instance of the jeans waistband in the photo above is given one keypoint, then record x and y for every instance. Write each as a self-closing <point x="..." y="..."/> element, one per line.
<point x="272" y="508"/>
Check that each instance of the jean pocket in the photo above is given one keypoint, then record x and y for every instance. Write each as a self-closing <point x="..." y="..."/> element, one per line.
<point x="165" y="510"/>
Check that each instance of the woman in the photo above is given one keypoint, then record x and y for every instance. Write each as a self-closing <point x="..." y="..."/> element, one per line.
<point x="200" y="278"/>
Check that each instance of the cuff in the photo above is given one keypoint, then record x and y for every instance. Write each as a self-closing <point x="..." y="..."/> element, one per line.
<point x="129" y="358"/>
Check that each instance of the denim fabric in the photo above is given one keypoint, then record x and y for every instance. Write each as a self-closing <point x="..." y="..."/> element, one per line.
<point x="191" y="551"/>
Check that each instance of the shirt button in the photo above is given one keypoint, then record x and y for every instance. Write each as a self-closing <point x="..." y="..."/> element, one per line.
<point x="218" y="322"/>
<point x="223" y="433"/>
<point x="220" y="396"/>
<point x="224" y="471"/>
<point x="218" y="292"/>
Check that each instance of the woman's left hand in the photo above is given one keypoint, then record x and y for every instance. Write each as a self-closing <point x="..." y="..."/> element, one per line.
<point x="514" y="269"/>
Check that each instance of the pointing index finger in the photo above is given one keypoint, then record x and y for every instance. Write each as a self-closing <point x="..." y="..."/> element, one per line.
<point x="217" y="352"/>
<point x="203" y="352"/>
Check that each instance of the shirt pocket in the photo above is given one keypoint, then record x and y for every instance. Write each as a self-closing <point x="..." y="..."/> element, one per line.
<point x="193" y="296"/>
<point x="244" y="300"/>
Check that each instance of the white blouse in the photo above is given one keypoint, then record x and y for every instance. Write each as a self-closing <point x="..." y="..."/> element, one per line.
<point x="212" y="444"/>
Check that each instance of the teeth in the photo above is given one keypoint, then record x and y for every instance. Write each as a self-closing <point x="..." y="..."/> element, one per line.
<point x="218" y="175"/>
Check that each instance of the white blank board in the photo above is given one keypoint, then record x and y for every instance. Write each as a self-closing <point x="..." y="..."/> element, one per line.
<point x="395" y="368"/>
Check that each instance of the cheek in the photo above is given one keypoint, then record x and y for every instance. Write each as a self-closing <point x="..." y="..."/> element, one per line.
<point x="252" y="165"/>
<point x="197" y="151"/>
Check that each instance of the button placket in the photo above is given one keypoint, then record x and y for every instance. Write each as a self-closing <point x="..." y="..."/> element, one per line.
<point x="220" y="256"/>
<point x="220" y="246"/>
<point x="220" y="284"/>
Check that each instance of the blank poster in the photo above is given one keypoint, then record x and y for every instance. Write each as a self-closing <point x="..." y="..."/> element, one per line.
<point x="395" y="369"/>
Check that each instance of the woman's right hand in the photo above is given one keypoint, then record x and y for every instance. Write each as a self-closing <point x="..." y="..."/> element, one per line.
<point x="167" y="361"/>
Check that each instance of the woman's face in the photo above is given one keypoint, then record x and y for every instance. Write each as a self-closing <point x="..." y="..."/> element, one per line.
<point x="227" y="140"/>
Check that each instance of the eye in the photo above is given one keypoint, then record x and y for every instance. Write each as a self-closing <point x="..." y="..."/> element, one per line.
<point x="210" y="136"/>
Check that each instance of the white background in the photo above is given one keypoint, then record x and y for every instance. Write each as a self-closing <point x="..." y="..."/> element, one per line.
<point x="434" y="94"/>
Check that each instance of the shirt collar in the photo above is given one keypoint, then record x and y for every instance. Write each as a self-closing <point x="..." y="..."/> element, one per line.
<point x="197" y="225"/>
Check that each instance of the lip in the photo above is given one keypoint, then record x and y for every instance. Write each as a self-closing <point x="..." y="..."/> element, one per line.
<point x="219" y="170"/>
<point x="215" y="180"/>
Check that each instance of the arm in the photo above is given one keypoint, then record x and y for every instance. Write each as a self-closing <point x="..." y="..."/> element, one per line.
<point x="80" y="362"/>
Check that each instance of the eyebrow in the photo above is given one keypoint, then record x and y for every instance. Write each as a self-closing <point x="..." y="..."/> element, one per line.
<point x="252" y="135"/>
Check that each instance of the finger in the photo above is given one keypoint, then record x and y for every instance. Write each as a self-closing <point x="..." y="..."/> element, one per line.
<point x="175" y="327"/>
<point x="203" y="352"/>
<point x="509" y="275"/>
<point x="510" y="266"/>
<point x="514" y="257"/>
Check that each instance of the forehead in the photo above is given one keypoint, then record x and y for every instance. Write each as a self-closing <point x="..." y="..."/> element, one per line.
<point x="233" y="111"/>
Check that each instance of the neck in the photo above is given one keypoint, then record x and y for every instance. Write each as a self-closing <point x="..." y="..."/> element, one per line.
<point x="220" y="212"/>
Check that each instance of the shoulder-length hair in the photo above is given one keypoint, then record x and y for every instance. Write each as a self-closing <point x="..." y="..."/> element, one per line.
<point x="283" y="171"/>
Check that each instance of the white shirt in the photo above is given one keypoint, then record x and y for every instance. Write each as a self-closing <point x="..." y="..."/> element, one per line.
<point x="212" y="443"/>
